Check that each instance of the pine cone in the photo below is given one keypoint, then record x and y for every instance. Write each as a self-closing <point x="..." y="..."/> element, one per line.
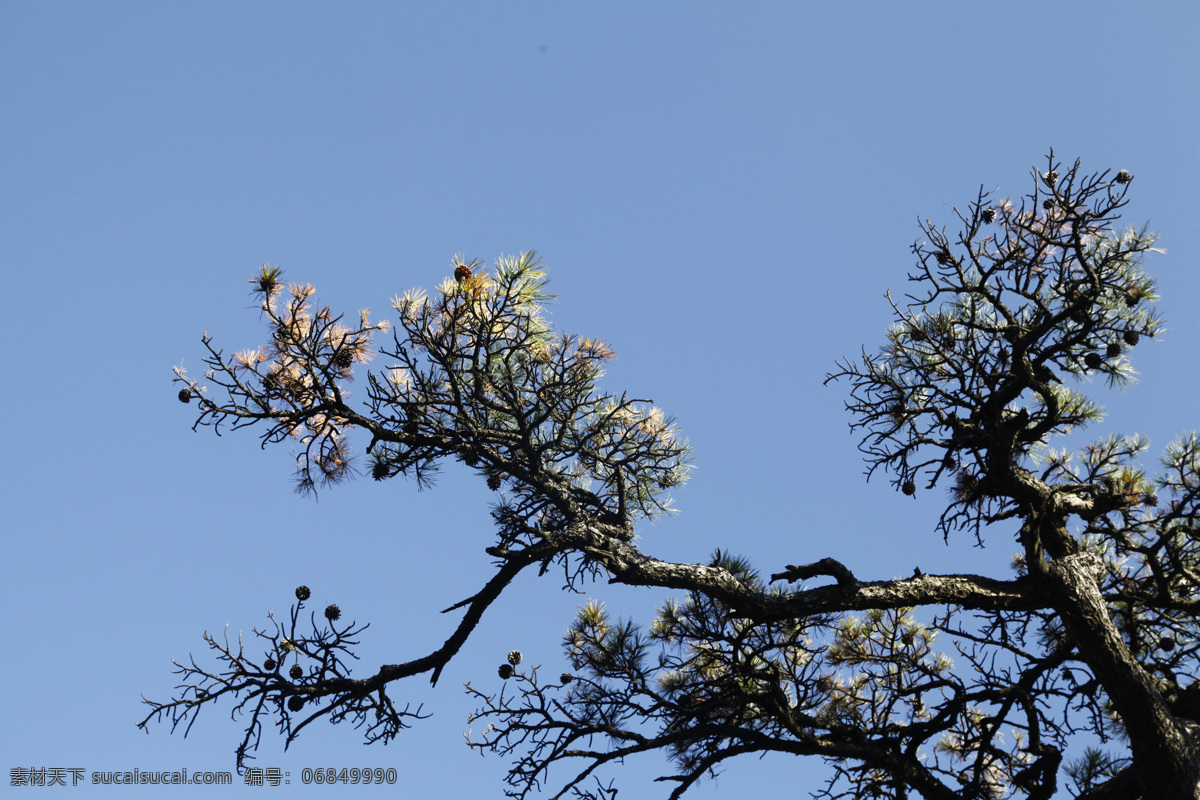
<point x="909" y="488"/>
<point x="566" y="678"/>
<point x="333" y="613"/>
<point x="461" y="273"/>
<point x="302" y="593"/>
<point x="1113" y="350"/>
<point x="269" y="665"/>
<point x="295" y="703"/>
<point x="1050" y="178"/>
<point x="505" y="671"/>
<point x="514" y="657"/>
<point x="1131" y="338"/>
<point x="493" y="481"/>
<point x="1123" y="176"/>
<point x="185" y="395"/>
<point x="343" y="358"/>
<point x="1093" y="360"/>
<point x="988" y="215"/>
<point x="379" y="470"/>
<point x="296" y="673"/>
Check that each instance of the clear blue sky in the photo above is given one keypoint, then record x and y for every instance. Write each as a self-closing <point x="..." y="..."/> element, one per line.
<point x="722" y="191"/>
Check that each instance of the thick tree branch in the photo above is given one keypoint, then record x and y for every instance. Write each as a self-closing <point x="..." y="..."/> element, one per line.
<point x="631" y="566"/>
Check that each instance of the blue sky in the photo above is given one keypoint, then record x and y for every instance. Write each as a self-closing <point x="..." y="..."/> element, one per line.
<point x="721" y="191"/>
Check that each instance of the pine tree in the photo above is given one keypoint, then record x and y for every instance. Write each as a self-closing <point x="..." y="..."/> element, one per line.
<point x="939" y="686"/>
